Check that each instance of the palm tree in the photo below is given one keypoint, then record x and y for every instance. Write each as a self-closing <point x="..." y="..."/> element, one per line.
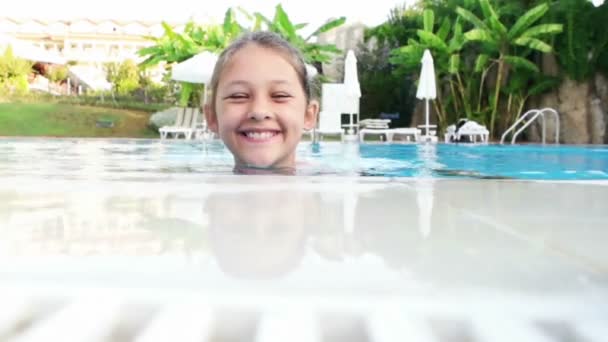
<point x="282" y="25"/>
<point x="174" y="47"/>
<point x="499" y="41"/>
<point x="445" y="42"/>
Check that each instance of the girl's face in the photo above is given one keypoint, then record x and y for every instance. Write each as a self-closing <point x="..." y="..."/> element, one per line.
<point x="261" y="108"/>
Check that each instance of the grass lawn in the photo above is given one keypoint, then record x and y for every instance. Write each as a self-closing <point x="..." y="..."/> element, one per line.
<point x="65" y="120"/>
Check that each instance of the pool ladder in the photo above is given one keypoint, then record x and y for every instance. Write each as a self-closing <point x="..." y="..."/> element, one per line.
<point x="532" y="114"/>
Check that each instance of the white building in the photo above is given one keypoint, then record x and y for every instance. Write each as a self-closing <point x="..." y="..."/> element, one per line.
<point x="86" y="41"/>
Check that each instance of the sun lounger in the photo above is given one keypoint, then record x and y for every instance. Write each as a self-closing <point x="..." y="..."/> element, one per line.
<point x="380" y="126"/>
<point x="186" y="125"/>
<point x="467" y="128"/>
<point x="374" y="126"/>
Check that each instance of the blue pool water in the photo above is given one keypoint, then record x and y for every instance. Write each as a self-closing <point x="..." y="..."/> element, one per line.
<point x="500" y="161"/>
<point x="154" y="159"/>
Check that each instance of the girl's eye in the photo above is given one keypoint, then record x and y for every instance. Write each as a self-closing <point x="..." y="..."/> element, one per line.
<point x="281" y="96"/>
<point x="237" y="96"/>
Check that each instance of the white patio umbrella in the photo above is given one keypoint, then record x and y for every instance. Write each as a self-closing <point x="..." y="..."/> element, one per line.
<point x="597" y="3"/>
<point x="197" y="69"/>
<point x="351" y="79"/>
<point x="26" y="50"/>
<point x="426" y="85"/>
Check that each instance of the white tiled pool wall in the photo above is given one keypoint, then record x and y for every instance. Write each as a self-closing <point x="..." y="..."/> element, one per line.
<point x="103" y="315"/>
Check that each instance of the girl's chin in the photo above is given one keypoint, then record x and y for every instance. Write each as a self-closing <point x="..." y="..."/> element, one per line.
<point x="255" y="170"/>
<point x="265" y="163"/>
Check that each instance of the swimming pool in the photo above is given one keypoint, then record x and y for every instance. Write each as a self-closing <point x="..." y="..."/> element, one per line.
<point x="151" y="239"/>
<point x="154" y="159"/>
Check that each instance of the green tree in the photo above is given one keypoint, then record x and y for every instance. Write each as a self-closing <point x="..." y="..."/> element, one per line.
<point x="582" y="48"/>
<point x="125" y="76"/>
<point x="499" y="44"/>
<point x="386" y="86"/>
<point x="401" y="25"/>
<point x="174" y="47"/>
<point x="383" y="90"/>
<point x="281" y="24"/>
<point x="445" y="44"/>
<point x="57" y="73"/>
<point x="13" y="73"/>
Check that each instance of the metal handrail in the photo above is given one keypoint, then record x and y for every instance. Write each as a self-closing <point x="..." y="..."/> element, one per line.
<point x="528" y="123"/>
<point x="556" y="115"/>
<point x="521" y="118"/>
<point x="536" y="113"/>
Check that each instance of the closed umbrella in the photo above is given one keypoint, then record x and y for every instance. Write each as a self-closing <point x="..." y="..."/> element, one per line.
<point x="351" y="79"/>
<point x="426" y="85"/>
<point x="353" y="89"/>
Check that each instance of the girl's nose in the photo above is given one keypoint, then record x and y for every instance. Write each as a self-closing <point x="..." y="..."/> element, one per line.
<point x="258" y="116"/>
<point x="260" y="108"/>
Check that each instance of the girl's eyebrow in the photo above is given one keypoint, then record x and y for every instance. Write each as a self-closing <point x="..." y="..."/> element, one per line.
<point x="237" y="82"/>
<point x="246" y="83"/>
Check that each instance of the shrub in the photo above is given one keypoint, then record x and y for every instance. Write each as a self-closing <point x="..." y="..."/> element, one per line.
<point x="57" y="73"/>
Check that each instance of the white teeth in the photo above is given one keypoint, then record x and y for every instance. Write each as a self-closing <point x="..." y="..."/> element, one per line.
<point x="260" y="135"/>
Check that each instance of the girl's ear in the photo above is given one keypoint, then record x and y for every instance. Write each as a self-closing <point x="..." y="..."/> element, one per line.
<point x="310" y="117"/>
<point x="211" y="118"/>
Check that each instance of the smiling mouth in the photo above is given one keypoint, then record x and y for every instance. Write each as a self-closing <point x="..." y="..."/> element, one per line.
<point x="259" y="136"/>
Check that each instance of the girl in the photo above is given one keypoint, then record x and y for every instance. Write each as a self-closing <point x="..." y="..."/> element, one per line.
<point x="261" y="101"/>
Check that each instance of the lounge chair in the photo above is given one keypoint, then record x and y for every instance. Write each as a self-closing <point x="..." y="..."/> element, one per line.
<point x="165" y="131"/>
<point x="186" y="127"/>
<point x="380" y="126"/>
<point x="197" y="127"/>
<point x="375" y="127"/>
<point x="469" y="129"/>
<point x="407" y="131"/>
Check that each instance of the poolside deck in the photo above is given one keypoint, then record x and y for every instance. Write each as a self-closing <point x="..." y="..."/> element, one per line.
<point x="266" y="258"/>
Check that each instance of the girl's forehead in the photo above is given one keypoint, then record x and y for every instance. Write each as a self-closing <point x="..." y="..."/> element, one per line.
<point x="262" y="51"/>
<point x="253" y="57"/>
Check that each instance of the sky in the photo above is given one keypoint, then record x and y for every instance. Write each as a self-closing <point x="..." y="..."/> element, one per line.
<point x="314" y="12"/>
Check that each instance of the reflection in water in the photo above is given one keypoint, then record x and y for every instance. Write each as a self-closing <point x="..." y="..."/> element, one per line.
<point x="424" y="199"/>
<point x="427" y="153"/>
<point x="93" y="221"/>
<point x="263" y="232"/>
<point x="260" y="233"/>
<point x="277" y="227"/>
